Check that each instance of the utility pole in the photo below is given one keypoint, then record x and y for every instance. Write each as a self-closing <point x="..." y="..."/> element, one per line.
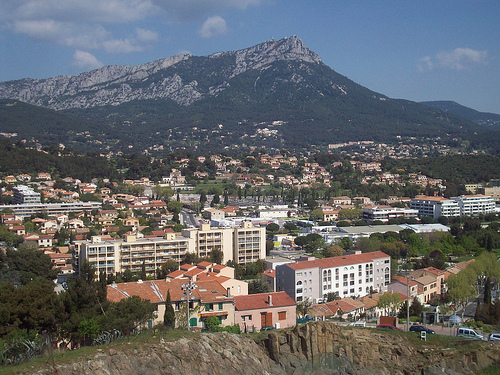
<point x="407" y="297"/>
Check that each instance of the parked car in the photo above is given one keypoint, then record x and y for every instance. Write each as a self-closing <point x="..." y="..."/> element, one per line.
<point x="494" y="337"/>
<point x="418" y="328"/>
<point x="388" y="326"/>
<point x="469" y="333"/>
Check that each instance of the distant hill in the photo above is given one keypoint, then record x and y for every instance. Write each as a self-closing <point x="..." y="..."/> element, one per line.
<point x="38" y="124"/>
<point x="491" y="120"/>
<point x="277" y="94"/>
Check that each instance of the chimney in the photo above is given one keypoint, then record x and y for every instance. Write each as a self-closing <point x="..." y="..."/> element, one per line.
<point x="270" y="300"/>
<point x="228" y="292"/>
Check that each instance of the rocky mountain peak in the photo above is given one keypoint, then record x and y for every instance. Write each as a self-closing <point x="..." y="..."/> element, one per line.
<point x="114" y="85"/>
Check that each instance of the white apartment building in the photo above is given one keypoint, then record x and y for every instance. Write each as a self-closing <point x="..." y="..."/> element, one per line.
<point x="472" y="205"/>
<point x="115" y="256"/>
<point x="25" y="195"/>
<point x="435" y="206"/>
<point x="385" y="213"/>
<point x="349" y="276"/>
<point x="243" y="245"/>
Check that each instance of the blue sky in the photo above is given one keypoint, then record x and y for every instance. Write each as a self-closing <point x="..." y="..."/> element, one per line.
<point x="415" y="50"/>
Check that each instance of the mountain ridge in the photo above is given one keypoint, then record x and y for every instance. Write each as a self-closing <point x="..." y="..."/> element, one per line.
<point x="235" y="99"/>
<point x="117" y="84"/>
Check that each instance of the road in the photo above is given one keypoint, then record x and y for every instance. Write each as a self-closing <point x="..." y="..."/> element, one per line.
<point x="188" y="218"/>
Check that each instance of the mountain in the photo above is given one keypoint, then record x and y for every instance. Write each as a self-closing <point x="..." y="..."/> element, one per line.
<point x="276" y="94"/>
<point x="491" y="120"/>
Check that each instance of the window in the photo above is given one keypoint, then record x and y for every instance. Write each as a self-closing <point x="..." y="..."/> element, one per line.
<point x="282" y="315"/>
<point x="220" y="306"/>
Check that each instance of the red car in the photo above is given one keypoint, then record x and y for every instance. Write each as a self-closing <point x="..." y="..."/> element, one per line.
<point x="388" y="326"/>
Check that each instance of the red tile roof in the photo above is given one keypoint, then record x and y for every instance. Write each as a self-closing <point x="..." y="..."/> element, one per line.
<point x="207" y="291"/>
<point x="261" y="301"/>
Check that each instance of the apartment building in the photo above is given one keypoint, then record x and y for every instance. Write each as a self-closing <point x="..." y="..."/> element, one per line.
<point x="473" y="205"/>
<point x="243" y="245"/>
<point x="116" y="256"/>
<point x="349" y="276"/>
<point x="435" y="206"/>
<point x="385" y="213"/>
<point x="28" y="209"/>
<point x="25" y="195"/>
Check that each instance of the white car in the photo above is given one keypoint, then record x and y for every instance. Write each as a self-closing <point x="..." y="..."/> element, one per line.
<point x="494" y="337"/>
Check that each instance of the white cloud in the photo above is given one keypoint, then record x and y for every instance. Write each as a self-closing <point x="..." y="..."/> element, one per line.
<point x="144" y="35"/>
<point x="425" y="64"/>
<point x="457" y="59"/>
<point x="189" y="10"/>
<point x="85" y="60"/>
<point x="213" y="26"/>
<point x="100" y="11"/>
<point x="461" y="58"/>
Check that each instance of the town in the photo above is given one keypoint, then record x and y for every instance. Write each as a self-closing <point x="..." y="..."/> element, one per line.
<point x="277" y="245"/>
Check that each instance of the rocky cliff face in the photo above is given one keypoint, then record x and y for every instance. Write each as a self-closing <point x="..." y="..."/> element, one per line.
<point x="319" y="348"/>
<point x="114" y="85"/>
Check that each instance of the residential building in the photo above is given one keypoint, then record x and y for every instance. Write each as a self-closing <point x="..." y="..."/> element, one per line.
<point x="349" y="276"/>
<point x="256" y="311"/>
<point x="209" y="298"/>
<point x="473" y="205"/>
<point x="385" y="213"/>
<point x="115" y="256"/>
<point x="25" y="195"/>
<point x="206" y="271"/>
<point x="438" y="275"/>
<point x="243" y="244"/>
<point x="28" y="209"/>
<point x="493" y="192"/>
<point x="435" y="206"/>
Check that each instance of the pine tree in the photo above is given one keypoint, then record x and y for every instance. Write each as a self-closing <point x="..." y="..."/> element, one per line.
<point x="169" y="316"/>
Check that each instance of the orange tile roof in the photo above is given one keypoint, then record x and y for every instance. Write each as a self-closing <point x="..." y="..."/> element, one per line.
<point x="207" y="291"/>
<point x="402" y="280"/>
<point x="260" y="301"/>
<point x="338" y="261"/>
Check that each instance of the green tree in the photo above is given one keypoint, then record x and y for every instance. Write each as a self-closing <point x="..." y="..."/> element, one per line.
<point x="130" y="313"/>
<point x="25" y="264"/>
<point x="257" y="286"/>
<point x="169" y="316"/>
<point x="272" y="228"/>
<point x="167" y="267"/>
<point x="389" y="302"/>
<point x="211" y="323"/>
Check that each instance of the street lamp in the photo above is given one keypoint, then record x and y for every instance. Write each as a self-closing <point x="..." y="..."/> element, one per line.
<point x="187" y="292"/>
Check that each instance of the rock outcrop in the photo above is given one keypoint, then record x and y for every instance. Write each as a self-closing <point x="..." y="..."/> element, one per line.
<point x="319" y="348"/>
<point x="161" y="79"/>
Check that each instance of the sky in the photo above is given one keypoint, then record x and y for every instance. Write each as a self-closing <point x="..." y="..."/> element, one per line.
<point x="415" y="50"/>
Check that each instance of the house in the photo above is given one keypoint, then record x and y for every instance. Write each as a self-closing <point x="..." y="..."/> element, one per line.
<point x="39" y="240"/>
<point x="256" y="311"/>
<point x="130" y="222"/>
<point x="436" y="273"/>
<point x="206" y="271"/>
<point x="75" y="223"/>
<point x="208" y="298"/>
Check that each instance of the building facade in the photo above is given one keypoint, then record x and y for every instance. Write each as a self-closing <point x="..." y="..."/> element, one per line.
<point x="25" y="195"/>
<point x="385" y="213"/>
<point x="473" y="205"/>
<point x="242" y="245"/>
<point x="435" y="206"/>
<point x="350" y="276"/>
